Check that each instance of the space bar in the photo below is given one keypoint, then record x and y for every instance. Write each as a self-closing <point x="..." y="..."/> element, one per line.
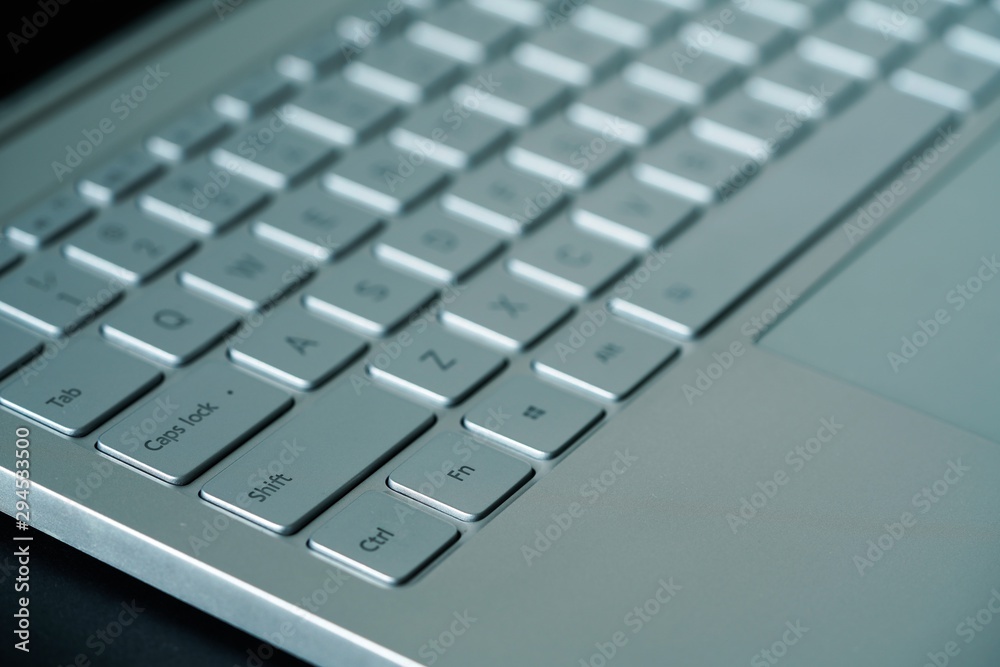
<point x="741" y="243"/>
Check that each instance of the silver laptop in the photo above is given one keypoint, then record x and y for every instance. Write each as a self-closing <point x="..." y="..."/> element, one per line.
<point x="521" y="332"/>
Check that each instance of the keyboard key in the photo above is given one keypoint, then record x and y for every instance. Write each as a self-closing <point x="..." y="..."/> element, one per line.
<point x="383" y="538"/>
<point x="244" y="274"/>
<point x="202" y="198"/>
<point x="569" y="262"/>
<point x="512" y="94"/>
<point x="627" y="212"/>
<point x="167" y="325"/>
<point x="853" y="50"/>
<point x="361" y="29"/>
<point x="120" y="177"/>
<point x="48" y="295"/>
<point x="504" y="312"/>
<point x="977" y="34"/>
<point x="570" y="55"/>
<point x="464" y="33"/>
<point x="187" y="136"/>
<point x="450" y="135"/>
<point x="339" y="112"/>
<point x="500" y="198"/>
<point x="277" y="159"/>
<point x="404" y="72"/>
<point x="127" y="246"/>
<point x="47" y="220"/>
<point x="527" y="12"/>
<point x="770" y="221"/>
<point x="313" y="58"/>
<point x="915" y="24"/>
<point x="745" y="39"/>
<point x="694" y="83"/>
<point x="795" y="14"/>
<point x="366" y="296"/>
<point x="295" y="473"/>
<point x="384" y="178"/>
<point x="16" y="347"/>
<point x="635" y="23"/>
<point x="942" y="76"/>
<point x="562" y="152"/>
<point x="532" y="418"/>
<point x="296" y="349"/>
<point x="610" y="365"/>
<point x="807" y="90"/>
<point x="637" y="118"/>
<point x="438" y="367"/>
<point x="686" y="167"/>
<point x="433" y="245"/>
<point x="253" y="96"/>
<point x="193" y="422"/>
<point x="82" y="386"/>
<point x="310" y="223"/>
<point x="743" y="125"/>
<point x="458" y="476"/>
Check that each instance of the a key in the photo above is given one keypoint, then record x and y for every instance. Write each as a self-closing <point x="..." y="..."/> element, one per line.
<point x="384" y="178"/>
<point x="202" y="198"/>
<point x="915" y="25"/>
<point x="168" y="325"/>
<point x="125" y="245"/>
<point x="313" y="58"/>
<point x="637" y="117"/>
<point x="849" y="48"/>
<point x="244" y="274"/>
<point x="340" y="112"/>
<point x="455" y="474"/>
<point x="627" y="212"/>
<point x="570" y="55"/>
<point x="746" y="39"/>
<point x="559" y="151"/>
<point x="403" y="71"/>
<point x="977" y="34"/>
<point x="303" y="467"/>
<point x="464" y="33"/>
<point x="16" y="347"/>
<point x="193" y="422"/>
<point x="796" y="14"/>
<point x="569" y="262"/>
<point x="942" y="76"/>
<point x="610" y="365"/>
<point x="47" y="220"/>
<point x="120" y="177"/>
<point x="437" y="367"/>
<point x="310" y="223"/>
<point x="532" y="418"/>
<point x="50" y="296"/>
<point x="512" y="94"/>
<point x="735" y="247"/>
<point x="526" y="12"/>
<point x="637" y="24"/>
<point x="665" y="71"/>
<point x="277" y="159"/>
<point x="366" y="296"/>
<point x="187" y="136"/>
<point x="450" y="135"/>
<point x="500" y="198"/>
<point x="295" y="349"/>
<point x="802" y="88"/>
<point x="433" y="245"/>
<point x="362" y="29"/>
<point x="689" y="168"/>
<point x="504" y="313"/>
<point x="82" y="386"/>
<point x="253" y="96"/>
<point x="383" y="538"/>
<point x="739" y="123"/>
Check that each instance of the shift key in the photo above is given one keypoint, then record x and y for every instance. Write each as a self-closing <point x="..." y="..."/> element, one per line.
<point x="193" y="423"/>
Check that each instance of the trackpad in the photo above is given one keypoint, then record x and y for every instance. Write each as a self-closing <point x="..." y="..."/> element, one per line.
<point x="916" y="318"/>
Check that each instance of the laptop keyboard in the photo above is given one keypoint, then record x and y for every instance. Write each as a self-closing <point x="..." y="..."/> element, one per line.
<point x="451" y="243"/>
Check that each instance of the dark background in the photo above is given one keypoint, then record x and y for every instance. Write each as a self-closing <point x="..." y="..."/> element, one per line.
<point x="73" y="595"/>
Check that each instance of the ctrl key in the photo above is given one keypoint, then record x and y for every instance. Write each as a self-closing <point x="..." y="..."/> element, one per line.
<point x="383" y="538"/>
